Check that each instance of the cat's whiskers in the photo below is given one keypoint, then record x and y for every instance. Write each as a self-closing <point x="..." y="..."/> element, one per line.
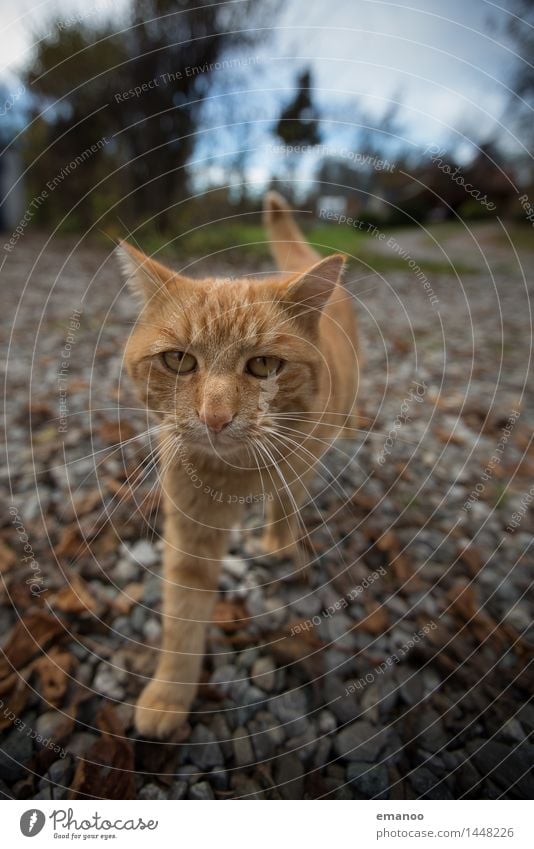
<point x="312" y="502"/>
<point x="328" y="443"/>
<point x="345" y="428"/>
<point x="287" y="488"/>
<point x="119" y="497"/>
<point x="295" y="447"/>
<point x="154" y="429"/>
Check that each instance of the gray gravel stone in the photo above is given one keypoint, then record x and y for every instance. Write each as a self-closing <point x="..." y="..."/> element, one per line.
<point x="218" y="778"/>
<point x="152" y="591"/>
<point x="47" y="726"/>
<point x="307" y="605"/>
<point x="15" y="753"/>
<point x="225" y="677"/>
<point x="246" y="658"/>
<point x="142" y="553"/>
<point x="370" y="780"/>
<point x="326" y="722"/>
<point x="360" y="741"/>
<point x="343" y="706"/>
<point x="107" y="682"/>
<point x="243" y="752"/>
<point x="80" y="743"/>
<point x="205" y="750"/>
<point x="266" y="735"/>
<point x="202" y="790"/>
<point x="151" y="791"/>
<point x="178" y="790"/>
<point x="263" y="673"/>
<point x="289" y="777"/>
<point x="235" y="566"/>
<point x="125" y="571"/>
<point x="152" y="630"/>
<point x="426" y="785"/>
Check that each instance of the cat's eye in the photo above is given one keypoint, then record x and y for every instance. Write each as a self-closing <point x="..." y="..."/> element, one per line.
<point x="264" y="366"/>
<point x="179" y="362"/>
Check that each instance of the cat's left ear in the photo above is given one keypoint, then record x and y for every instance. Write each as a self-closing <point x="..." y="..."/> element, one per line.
<point x="311" y="290"/>
<point x="145" y="277"/>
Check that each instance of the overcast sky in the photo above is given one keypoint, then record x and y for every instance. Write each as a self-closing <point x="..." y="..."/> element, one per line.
<point x="447" y="61"/>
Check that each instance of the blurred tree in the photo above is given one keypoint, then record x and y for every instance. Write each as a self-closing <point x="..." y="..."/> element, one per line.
<point x="298" y="121"/>
<point x="298" y="127"/>
<point x="520" y="30"/>
<point x="136" y="95"/>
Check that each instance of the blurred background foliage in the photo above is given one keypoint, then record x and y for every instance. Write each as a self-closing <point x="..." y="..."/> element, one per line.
<point x="157" y="124"/>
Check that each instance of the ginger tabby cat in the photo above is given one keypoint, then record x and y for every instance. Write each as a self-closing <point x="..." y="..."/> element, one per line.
<point x="250" y="379"/>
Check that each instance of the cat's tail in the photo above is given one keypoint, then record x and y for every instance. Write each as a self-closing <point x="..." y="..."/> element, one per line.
<point x="288" y="245"/>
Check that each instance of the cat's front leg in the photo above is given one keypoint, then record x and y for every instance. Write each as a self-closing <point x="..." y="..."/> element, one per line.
<point x="189" y="591"/>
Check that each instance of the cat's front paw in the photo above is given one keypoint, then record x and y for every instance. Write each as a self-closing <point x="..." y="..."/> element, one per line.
<point x="161" y="712"/>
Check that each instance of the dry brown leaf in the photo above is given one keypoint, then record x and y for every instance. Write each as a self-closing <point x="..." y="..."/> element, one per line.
<point x="471" y="556"/>
<point x="71" y="542"/>
<point x="377" y="619"/>
<point x="29" y="637"/>
<point x="112" y="433"/>
<point x="388" y="542"/>
<point x="76" y="597"/>
<point x="230" y="616"/>
<point x="131" y="594"/>
<point x="8" y="558"/>
<point x="108" y="771"/>
<point x="449" y="436"/>
<point x="53" y="675"/>
<point x="87" y="502"/>
<point x="14" y="692"/>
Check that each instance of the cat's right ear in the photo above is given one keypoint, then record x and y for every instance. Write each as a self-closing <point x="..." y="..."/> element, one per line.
<point x="144" y="276"/>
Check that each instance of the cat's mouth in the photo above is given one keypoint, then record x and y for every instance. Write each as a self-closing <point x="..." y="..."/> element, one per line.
<point x="223" y="443"/>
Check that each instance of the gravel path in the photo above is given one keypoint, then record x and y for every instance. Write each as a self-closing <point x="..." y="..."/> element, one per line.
<point x="399" y="667"/>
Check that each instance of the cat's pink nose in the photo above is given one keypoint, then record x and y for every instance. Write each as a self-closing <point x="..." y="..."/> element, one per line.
<point x="217" y="419"/>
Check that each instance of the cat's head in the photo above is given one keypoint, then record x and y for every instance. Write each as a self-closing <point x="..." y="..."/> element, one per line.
<point x="219" y="358"/>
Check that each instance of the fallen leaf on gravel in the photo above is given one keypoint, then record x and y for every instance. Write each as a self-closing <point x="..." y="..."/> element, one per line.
<point x="449" y="436"/>
<point x="14" y="694"/>
<point x="113" y="432"/>
<point x="230" y="616"/>
<point x="8" y="558"/>
<point x="76" y="597"/>
<point x="30" y="635"/>
<point x="71" y="542"/>
<point x="53" y="675"/>
<point x="126" y="599"/>
<point x="86" y="503"/>
<point x="471" y="556"/>
<point x="465" y="606"/>
<point x="108" y="771"/>
<point x="376" y="620"/>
